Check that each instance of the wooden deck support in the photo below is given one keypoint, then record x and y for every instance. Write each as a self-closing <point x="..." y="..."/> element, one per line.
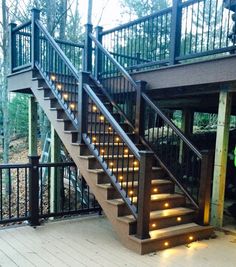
<point x="33" y="117"/>
<point x="56" y="175"/>
<point x="187" y="128"/>
<point x="221" y="151"/>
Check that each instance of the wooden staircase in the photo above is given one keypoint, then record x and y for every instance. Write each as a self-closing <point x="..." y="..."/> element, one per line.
<point x="172" y="219"/>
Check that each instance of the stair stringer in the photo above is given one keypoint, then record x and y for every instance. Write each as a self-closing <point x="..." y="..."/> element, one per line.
<point x="121" y="228"/>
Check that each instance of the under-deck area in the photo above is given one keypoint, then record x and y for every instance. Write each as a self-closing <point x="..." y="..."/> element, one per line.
<point x="92" y="242"/>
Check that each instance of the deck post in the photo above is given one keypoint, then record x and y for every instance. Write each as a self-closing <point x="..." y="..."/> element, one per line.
<point x="12" y="48"/>
<point x="98" y="53"/>
<point x="175" y="35"/>
<point x="88" y="49"/>
<point x="82" y="106"/>
<point x="220" y="163"/>
<point x="139" y="116"/>
<point x="35" y="15"/>
<point x="187" y="128"/>
<point x="33" y="118"/>
<point x="144" y="194"/>
<point x="204" y="195"/>
<point x="34" y="190"/>
<point x="56" y="176"/>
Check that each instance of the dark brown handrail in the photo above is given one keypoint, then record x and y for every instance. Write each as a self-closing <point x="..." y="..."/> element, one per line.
<point x="123" y="26"/>
<point x="172" y="126"/>
<point x="114" y="61"/>
<point x="58" y="49"/>
<point x="112" y="121"/>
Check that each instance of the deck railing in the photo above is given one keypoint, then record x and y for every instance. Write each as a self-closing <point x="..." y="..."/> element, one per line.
<point x="27" y="194"/>
<point x="187" y="30"/>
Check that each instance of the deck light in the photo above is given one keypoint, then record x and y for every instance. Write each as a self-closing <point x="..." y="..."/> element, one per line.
<point x="109" y="128"/>
<point x="53" y="78"/>
<point x="111" y="164"/>
<point x="94" y="139"/>
<point x="155" y="190"/>
<point x="190" y="238"/>
<point x="121" y="178"/>
<point x="65" y="96"/>
<point x="101" y="118"/>
<point x="59" y="86"/>
<point x="102" y="151"/>
<point x="166" y="244"/>
<point x="135" y="163"/>
<point x="126" y="151"/>
<point x="117" y="139"/>
<point x="72" y="106"/>
<point x="179" y="219"/>
<point x="154" y="225"/>
<point x="94" y="108"/>
<point x="131" y="192"/>
<point x="166" y="205"/>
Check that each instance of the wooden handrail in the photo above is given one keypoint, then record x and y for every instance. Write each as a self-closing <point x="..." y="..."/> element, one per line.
<point x="112" y="121"/>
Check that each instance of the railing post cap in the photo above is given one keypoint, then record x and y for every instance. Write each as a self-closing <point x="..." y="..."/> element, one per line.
<point x="99" y="27"/>
<point x="146" y="153"/>
<point x="35" y="10"/>
<point x="12" y="24"/>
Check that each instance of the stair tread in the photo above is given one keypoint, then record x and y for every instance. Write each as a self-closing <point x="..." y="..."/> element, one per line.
<point x="154" y="197"/>
<point x="120" y="169"/>
<point x="159" y="214"/>
<point x="154" y="182"/>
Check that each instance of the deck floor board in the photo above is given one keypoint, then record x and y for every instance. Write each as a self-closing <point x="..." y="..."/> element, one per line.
<point x="92" y="242"/>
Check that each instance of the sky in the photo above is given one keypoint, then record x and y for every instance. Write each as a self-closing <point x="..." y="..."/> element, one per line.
<point x="111" y="15"/>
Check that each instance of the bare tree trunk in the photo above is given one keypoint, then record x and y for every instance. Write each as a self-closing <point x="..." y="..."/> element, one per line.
<point x="90" y="11"/>
<point x="63" y="12"/>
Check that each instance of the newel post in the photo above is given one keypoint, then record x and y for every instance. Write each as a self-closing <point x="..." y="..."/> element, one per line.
<point x="88" y="48"/>
<point x="34" y="190"/>
<point x="144" y="194"/>
<point x="82" y="106"/>
<point x="35" y="15"/>
<point x="204" y="195"/>
<point x="12" y="46"/>
<point x="175" y="34"/>
<point x="139" y="116"/>
<point x="98" y="53"/>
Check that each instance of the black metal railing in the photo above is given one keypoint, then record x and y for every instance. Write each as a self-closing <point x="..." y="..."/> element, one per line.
<point x="116" y="152"/>
<point x="59" y="72"/>
<point x="186" y="165"/>
<point x="118" y="84"/>
<point x="21" y="48"/>
<point x="25" y="195"/>
<point x="189" y="29"/>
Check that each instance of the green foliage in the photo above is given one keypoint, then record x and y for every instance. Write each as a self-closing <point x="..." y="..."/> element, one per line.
<point x="18" y="115"/>
<point x="142" y="8"/>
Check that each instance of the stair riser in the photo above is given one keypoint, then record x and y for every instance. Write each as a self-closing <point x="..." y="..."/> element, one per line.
<point x="94" y="164"/>
<point x="102" y="179"/>
<point x="68" y="126"/>
<point x="175" y="241"/>
<point x="62" y="115"/>
<point x="171" y="221"/>
<point x="113" y="194"/>
<point x="104" y="138"/>
<point x="173" y="203"/>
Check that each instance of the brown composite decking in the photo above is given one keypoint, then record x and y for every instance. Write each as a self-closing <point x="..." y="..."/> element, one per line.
<point x="91" y="242"/>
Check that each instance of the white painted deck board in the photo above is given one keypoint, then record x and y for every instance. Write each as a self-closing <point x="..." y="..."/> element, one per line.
<point x="92" y="242"/>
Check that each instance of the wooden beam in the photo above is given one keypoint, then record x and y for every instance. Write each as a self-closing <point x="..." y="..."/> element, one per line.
<point x="33" y="118"/>
<point x="221" y="151"/>
<point x="187" y="128"/>
<point x="56" y="173"/>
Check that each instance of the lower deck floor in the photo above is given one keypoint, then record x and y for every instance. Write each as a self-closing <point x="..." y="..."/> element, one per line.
<point x="91" y="242"/>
